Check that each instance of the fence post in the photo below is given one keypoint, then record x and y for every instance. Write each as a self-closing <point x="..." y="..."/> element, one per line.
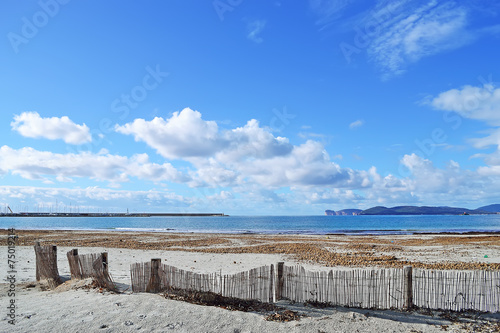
<point x="46" y="264"/>
<point x="74" y="265"/>
<point x="104" y="256"/>
<point x="154" y="280"/>
<point x="272" y="294"/>
<point x="408" y="288"/>
<point x="279" y="285"/>
<point x="37" y="257"/>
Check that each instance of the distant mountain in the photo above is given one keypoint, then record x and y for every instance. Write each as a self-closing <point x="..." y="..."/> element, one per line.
<point x="343" y="212"/>
<point x="491" y="208"/>
<point x="415" y="210"/>
<point x="423" y="210"/>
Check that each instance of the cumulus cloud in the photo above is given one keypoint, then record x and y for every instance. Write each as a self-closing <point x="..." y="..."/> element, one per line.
<point x="184" y="135"/>
<point x="480" y="103"/>
<point x="247" y="154"/>
<point x="31" y="125"/>
<point x="252" y="142"/>
<point x="451" y="182"/>
<point x="33" y="164"/>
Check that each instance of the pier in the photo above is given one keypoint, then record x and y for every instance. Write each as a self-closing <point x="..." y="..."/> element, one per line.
<point x="21" y="214"/>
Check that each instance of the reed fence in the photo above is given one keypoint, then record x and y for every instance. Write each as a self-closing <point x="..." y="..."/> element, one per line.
<point x="46" y="264"/>
<point x="362" y="288"/>
<point x="255" y="284"/>
<point x="457" y="290"/>
<point x="92" y="265"/>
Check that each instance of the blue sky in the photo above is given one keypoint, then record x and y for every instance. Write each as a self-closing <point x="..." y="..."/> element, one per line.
<point x="248" y="107"/>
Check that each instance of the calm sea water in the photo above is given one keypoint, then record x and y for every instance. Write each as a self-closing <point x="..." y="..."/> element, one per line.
<point x="267" y="224"/>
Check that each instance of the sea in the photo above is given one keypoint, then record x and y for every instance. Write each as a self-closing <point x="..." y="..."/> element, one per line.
<point x="312" y="225"/>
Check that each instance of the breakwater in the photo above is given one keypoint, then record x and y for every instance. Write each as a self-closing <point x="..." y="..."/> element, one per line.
<point x="110" y="214"/>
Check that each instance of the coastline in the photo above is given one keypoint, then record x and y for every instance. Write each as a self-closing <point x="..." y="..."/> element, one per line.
<point x="76" y="306"/>
<point x="272" y="225"/>
<point x="434" y="251"/>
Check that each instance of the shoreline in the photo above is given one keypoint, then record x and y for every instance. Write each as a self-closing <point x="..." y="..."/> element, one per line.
<point x="386" y="232"/>
<point x="111" y="214"/>
<point x="471" y="251"/>
<point x="76" y="306"/>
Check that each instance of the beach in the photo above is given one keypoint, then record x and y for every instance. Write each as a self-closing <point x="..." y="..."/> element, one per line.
<point x="75" y="306"/>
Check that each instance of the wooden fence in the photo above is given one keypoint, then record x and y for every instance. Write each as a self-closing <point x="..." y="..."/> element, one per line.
<point x="457" y="290"/>
<point x="92" y="265"/>
<point x="362" y="288"/>
<point x="255" y="284"/>
<point x="46" y="264"/>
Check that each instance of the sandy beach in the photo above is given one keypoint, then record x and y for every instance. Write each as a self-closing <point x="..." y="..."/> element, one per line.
<point x="75" y="306"/>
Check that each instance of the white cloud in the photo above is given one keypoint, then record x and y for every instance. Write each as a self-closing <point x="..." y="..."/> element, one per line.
<point x="411" y="31"/>
<point x="252" y="142"/>
<point x="32" y="164"/>
<point x="31" y="125"/>
<point x="328" y="10"/>
<point x="357" y="123"/>
<point x="248" y="163"/>
<point x="184" y="135"/>
<point x="93" y="197"/>
<point x="249" y="154"/>
<point x="480" y="103"/>
<point x="254" y="29"/>
<point x="306" y="165"/>
<point x="443" y="185"/>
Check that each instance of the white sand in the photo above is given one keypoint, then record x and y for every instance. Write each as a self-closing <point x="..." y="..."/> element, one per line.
<point x="82" y="310"/>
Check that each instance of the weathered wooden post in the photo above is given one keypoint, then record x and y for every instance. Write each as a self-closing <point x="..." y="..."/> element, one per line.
<point x="37" y="259"/>
<point x="74" y="265"/>
<point x="100" y="272"/>
<point x="272" y="294"/>
<point x="154" y="279"/>
<point x="408" y="288"/>
<point x="46" y="264"/>
<point x="280" y="279"/>
<point x="104" y="256"/>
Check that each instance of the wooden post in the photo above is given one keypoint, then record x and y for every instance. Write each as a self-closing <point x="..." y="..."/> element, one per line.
<point x="408" y="288"/>
<point x="37" y="256"/>
<point x="272" y="294"/>
<point x="154" y="280"/>
<point x="55" y="280"/>
<point x="74" y="265"/>
<point x="46" y="264"/>
<point x="280" y="279"/>
<point x="104" y="256"/>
